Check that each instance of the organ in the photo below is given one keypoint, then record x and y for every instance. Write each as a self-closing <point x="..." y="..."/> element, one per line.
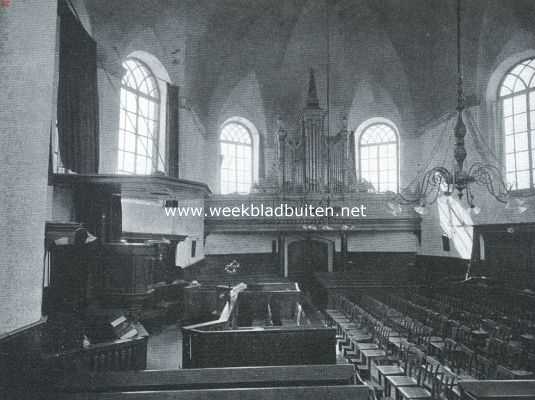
<point x="310" y="159"/>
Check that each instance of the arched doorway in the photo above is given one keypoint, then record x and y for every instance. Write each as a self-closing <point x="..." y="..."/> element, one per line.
<point x="305" y="257"/>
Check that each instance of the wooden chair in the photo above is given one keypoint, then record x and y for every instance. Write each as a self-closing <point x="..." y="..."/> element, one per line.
<point x="396" y="369"/>
<point x="393" y="382"/>
<point x="484" y="368"/>
<point x="465" y="362"/>
<point x="426" y="386"/>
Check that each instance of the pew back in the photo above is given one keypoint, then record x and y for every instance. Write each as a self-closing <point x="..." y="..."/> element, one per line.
<point x="350" y="392"/>
<point x="209" y="378"/>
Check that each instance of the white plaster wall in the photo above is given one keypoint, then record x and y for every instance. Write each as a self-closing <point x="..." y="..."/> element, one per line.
<point x="239" y="243"/>
<point x="27" y="48"/>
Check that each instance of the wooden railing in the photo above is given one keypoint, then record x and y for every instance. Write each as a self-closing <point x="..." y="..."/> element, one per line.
<point x="118" y="355"/>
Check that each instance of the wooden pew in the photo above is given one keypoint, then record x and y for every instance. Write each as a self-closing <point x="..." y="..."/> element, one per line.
<point x="274" y="393"/>
<point x="209" y="378"/>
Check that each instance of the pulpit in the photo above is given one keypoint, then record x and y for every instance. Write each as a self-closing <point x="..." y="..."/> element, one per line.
<point x="125" y="273"/>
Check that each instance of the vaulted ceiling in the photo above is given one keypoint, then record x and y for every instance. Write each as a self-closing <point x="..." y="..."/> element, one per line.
<point x="405" y="48"/>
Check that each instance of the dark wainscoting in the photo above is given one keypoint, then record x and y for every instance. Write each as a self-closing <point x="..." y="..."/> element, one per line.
<point x="238" y="348"/>
<point x="20" y="356"/>
<point x="436" y="269"/>
<point x="211" y="268"/>
<point x="376" y="265"/>
<point x="509" y="254"/>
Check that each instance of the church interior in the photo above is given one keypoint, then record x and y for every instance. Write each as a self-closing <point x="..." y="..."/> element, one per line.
<point x="267" y="199"/>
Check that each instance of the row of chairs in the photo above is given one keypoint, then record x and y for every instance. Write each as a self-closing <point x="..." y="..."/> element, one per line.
<point x="498" y="359"/>
<point x="388" y="361"/>
<point x="499" y="346"/>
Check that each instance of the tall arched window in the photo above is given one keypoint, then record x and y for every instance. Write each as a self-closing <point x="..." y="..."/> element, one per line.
<point x="139" y="120"/>
<point x="378" y="155"/>
<point x="517" y="100"/>
<point x="237" y="166"/>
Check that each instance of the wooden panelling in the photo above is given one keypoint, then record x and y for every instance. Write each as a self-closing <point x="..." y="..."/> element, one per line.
<point x="20" y="355"/>
<point x="509" y="254"/>
<point x="125" y="272"/>
<point x="249" y="347"/>
<point x="379" y="265"/>
<point x="212" y="267"/>
<point x="434" y="269"/>
<point x="345" y="392"/>
<point x="207" y="378"/>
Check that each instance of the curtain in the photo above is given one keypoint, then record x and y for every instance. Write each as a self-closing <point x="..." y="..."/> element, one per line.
<point x="78" y="121"/>
<point x="172" y="130"/>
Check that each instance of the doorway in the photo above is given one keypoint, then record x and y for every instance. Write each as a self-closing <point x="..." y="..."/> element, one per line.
<point x="305" y="257"/>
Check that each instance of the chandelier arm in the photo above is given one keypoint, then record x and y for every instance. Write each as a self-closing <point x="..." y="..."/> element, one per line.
<point x="435" y="196"/>
<point x="489" y="176"/>
<point x="431" y="182"/>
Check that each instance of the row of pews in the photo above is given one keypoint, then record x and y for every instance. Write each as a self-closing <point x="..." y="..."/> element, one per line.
<point x="258" y="383"/>
<point x="402" y="350"/>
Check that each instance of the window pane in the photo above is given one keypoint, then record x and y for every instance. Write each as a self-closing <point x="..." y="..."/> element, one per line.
<point x="364" y="153"/>
<point x="508" y="125"/>
<point x="130" y="142"/>
<point x="141" y="165"/>
<point x="522" y="161"/>
<point x="517" y="125"/>
<point x="509" y="144"/>
<point x="139" y="97"/>
<point x="237" y="154"/>
<point x="521" y="142"/>
<point x="131" y="104"/>
<point x="526" y="75"/>
<point x="379" y="159"/>
<point x="523" y="179"/>
<point x="511" y="180"/>
<point x="507" y="107"/>
<point x="130" y="121"/>
<point x="141" y="146"/>
<point x="519" y="104"/>
<point x="509" y="81"/>
<point x="129" y="162"/>
<point x="510" y="162"/>
<point x="143" y="106"/>
<point x="144" y="127"/>
<point x="521" y="122"/>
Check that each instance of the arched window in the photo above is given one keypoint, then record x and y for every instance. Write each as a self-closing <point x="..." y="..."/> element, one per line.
<point x="139" y="120"/>
<point x="237" y="164"/>
<point x="378" y="155"/>
<point x="517" y="101"/>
